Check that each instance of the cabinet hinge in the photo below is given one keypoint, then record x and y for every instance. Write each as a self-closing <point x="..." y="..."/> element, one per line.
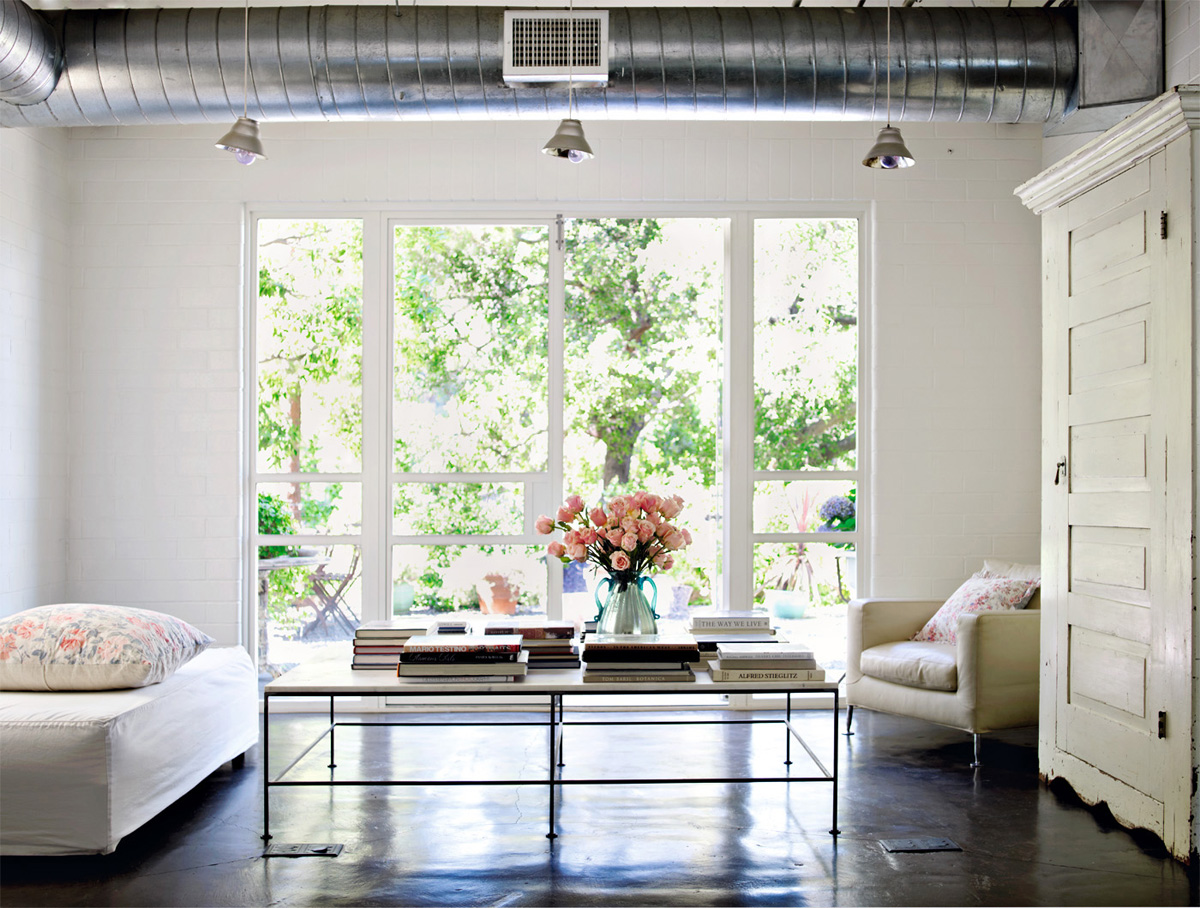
<point x="1162" y="225"/>
<point x="560" y="232"/>
<point x="1162" y="723"/>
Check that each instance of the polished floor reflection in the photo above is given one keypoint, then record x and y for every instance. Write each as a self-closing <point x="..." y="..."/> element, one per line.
<point x="714" y="844"/>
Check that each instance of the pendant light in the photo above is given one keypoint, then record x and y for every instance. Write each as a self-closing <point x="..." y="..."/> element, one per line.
<point x="243" y="139"/>
<point x="568" y="140"/>
<point x="889" y="151"/>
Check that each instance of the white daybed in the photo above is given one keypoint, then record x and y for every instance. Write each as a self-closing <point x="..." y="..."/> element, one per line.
<point x="79" y="770"/>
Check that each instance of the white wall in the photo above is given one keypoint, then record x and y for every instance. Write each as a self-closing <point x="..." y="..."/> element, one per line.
<point x="156" y="301"/>
<point x="34" y="257"/>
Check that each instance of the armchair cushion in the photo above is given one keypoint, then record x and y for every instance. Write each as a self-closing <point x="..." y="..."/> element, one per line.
<point x="978" y="594"/>
<point x="932" y="666"/>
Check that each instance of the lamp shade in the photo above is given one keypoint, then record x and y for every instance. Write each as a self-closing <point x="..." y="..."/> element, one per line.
<point x="889" y="151"/>
<point x="568" y="142"/>
<point x="243" y="141"/>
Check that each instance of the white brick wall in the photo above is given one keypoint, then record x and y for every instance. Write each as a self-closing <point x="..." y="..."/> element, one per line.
<point x="34" y="245"/>
<point x="156" y="290"/>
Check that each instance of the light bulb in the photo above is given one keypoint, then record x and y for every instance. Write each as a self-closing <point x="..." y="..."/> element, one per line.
<point x="575" y="156"/>
<point x="889" y="162"/>
<point x="245" y="157"/>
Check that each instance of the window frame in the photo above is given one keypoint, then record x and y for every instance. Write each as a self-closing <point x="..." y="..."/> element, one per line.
<point x="737" y="431"/>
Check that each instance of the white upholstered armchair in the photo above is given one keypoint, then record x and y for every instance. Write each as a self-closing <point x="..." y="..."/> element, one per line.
<point x="986" y="680"/>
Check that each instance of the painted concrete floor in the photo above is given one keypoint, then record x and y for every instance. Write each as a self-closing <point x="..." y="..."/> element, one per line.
<point x="707" y="844"/>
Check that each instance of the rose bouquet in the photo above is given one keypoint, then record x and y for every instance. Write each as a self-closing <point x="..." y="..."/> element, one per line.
<point x="629" y="535"/>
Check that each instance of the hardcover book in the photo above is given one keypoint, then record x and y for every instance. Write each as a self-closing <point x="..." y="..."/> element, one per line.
<point x="733" y="673"/>
<point x="731" y="621"/>
<point x="600" y="642"/>
<point x="531" y="628"/>
<point x="426" y="657"/>
<point x="638" y="677"/>
<point x="416" y="669"/>
<point x="496" y="643"/>
<point x="778" y="650"/>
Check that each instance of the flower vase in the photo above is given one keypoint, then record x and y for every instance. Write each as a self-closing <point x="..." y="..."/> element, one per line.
<point x="625" y="610"/>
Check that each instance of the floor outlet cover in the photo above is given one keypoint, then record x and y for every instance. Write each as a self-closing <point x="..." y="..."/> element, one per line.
<point x="285" y="850"/>
<point x="919" y="843"/>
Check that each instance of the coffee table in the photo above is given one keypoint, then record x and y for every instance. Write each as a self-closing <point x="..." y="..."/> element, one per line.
<point x="329" y="675"/>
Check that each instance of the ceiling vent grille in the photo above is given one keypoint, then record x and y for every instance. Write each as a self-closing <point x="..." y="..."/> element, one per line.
<point x="538" y="46"/>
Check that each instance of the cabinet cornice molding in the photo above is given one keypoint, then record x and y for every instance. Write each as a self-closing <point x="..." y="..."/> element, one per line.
<point x="1137" y="137"/>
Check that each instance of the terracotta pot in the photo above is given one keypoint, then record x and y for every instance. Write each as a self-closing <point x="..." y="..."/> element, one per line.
<point x="497" y="596"/>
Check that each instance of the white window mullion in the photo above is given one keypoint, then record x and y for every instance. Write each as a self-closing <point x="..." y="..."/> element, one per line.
<point x="556" y="389"/>
<point x="737" y="418"/>
<point x="376" y="597"/>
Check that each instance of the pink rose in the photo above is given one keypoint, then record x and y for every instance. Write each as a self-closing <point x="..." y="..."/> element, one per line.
<point x="575" y="503"/>
<point x="577" y="552"/>
<point x="556" y="549"/>
<point x="638" y="499"/>
<point x="629" y="542"/>
<point x="660" y="559"/>
<point x="618" y="506"/>
<point x="651" y="502"/>
<point x="570" y="537"/>
<point x="629" y="525"/>
<point x="614" y="536"/>
<point x="599" y="518"/>
<point x="565" y="514"/>
<point x="668" y="563"/>
<point x="620" y="561"/>
<point x="687" y="537"/>
<point x="670" y="507"/>
<point x="673" y="540"/>
<point x="544" y="525"/>
<point x="587" y="536"/>
<point x="663" y="529"/>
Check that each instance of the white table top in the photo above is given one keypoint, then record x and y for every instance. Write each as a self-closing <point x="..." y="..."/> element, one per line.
<point x="329" y="672"/>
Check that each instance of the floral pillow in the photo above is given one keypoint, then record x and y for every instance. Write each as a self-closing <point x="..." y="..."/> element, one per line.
<point x="93" y="647"/>
<point x="979" y="594"/>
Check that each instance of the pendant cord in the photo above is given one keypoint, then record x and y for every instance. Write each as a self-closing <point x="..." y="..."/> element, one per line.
<point x="246" y="62"/>
<point x="889" y="63"/>
<point x="571" y="58"/>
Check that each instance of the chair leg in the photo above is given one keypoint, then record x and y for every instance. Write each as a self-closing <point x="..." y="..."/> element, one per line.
<point x="977" y="763"/>
<point x="849" y="719"/>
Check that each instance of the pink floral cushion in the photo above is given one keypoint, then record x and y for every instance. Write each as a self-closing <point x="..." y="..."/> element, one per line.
<point x="93" y="647"/>
<point x="979" y="594"/>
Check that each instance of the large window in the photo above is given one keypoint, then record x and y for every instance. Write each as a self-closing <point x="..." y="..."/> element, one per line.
<point x="425" y="389"/>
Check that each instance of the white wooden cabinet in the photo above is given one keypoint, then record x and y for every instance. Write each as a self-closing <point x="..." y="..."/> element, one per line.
<point x="1119" y="441"/>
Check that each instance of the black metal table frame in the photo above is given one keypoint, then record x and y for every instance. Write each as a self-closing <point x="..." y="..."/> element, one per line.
<point x="555" y="724"/>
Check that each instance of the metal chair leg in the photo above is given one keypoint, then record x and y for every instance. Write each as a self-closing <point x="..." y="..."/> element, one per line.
<point x="977" y="762"/>
<point x="849" y="719"/>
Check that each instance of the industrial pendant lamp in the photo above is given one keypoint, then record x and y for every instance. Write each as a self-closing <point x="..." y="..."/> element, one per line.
<point x="568" y="140"/>
<point x="243" y="139"/>
<point x="889" y="151"/>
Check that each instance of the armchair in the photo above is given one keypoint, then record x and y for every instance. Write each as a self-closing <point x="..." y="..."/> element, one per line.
<point x="986" y="681"/>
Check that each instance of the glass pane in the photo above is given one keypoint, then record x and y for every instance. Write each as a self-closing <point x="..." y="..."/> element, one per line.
<point x="307" y="598"/>
<point x="806" y="587"/>
<point x="445" y="508"/>
<point x="643" y="371"/>
<point x="472" y="579"/>
<point x="805" y="506"/>
<point x="470" y="346"/>
<point x="309" y="508"/>
<point x="309" y="346"/>
<point x="805" y="343"/>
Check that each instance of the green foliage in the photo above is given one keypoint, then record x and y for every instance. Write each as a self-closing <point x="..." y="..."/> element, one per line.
<point x="274" y="519"/>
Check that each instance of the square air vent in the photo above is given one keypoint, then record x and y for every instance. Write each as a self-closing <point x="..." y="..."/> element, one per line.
<point x="542" y="46"/>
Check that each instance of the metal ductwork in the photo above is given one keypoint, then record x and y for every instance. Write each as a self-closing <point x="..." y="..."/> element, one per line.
<point x="30" y="56"/>
<point x="443" y="63"/>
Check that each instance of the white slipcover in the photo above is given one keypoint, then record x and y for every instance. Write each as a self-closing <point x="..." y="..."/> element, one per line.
<point x="80" y="770"/>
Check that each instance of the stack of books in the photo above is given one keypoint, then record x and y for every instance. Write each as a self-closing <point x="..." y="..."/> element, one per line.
<point x="639" y="657"/>
<point x="716" y="628"/>
<point x="772" y="662"/>
<point x="477" y="658"/>
<point x="377" y="644"/>
<point x="550" y="642"/>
